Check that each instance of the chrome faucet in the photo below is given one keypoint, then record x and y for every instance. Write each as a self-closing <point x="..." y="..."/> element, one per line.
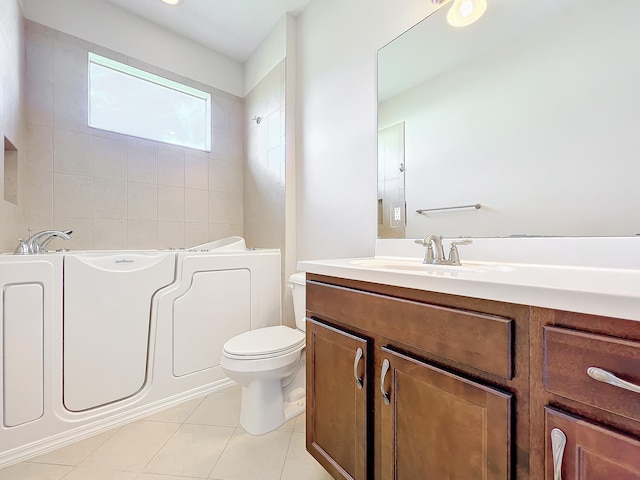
<point x="438" y="257"/>
<point x="33" y="245"/>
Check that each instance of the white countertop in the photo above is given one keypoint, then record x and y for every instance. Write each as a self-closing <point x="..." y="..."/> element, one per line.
<point x="589" y="288"/>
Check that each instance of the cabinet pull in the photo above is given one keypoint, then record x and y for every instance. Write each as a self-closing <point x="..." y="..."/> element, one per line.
<point x="383" y="374"/>
<point x="607" y="377"/>
<point x="355" y="368"/>
<point x="558" y="442"/>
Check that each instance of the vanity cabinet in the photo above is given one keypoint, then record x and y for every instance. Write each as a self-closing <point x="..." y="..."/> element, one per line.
<point x="444" y="383"/>
<point x="586" y="394"/>
<point x="337" y="383"/>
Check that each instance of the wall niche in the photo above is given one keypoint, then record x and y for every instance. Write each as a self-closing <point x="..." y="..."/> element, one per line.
<point x="10" y="172"/>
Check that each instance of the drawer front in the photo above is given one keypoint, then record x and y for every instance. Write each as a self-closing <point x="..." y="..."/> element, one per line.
<point x="478" y="340"/>
<point x="568" y="354"/>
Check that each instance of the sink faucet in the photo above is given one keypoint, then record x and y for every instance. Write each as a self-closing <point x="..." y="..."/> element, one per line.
<point x="34" y="245"/>
<point x="438" y="257"/>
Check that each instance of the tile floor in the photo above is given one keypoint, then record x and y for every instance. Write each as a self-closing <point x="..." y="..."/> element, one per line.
<point x="199" y="439"/>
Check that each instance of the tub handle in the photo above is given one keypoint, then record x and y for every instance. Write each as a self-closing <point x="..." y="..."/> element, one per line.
<point x="356" y="362"/>
<point x="383" y="373"/>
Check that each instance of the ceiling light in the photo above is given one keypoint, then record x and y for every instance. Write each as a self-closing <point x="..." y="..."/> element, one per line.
<point x="465" y="12"/>
<point x="173" y="3"/>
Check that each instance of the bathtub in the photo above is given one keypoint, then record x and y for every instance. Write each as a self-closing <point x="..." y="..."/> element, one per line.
<point x="141" y="331"/>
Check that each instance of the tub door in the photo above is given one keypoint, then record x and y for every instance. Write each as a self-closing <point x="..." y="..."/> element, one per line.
<point x="107" y="311"/>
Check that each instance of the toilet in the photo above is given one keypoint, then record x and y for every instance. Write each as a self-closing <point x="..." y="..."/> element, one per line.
<point x="269" y="364"/>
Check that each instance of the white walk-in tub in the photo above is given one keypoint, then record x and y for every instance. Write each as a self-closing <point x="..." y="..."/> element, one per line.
<point x="90" y="340"/>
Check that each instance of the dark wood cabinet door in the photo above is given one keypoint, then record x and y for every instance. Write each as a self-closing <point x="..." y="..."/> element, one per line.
<point x="336" y="402"/>
<point x="438" y="425"/>
<point x="585" y="451"/>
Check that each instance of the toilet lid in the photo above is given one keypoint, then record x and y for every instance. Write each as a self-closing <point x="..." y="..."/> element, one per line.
<point x="265" y="342"/>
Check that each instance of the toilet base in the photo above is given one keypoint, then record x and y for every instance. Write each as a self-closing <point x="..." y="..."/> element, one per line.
<point x="261" y="409"/>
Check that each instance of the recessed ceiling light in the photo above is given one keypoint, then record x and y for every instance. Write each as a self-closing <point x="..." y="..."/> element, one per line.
<point x="173" y="3"/>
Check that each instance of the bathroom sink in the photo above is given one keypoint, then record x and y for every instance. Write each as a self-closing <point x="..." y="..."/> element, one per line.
<point x="416" y="265"/>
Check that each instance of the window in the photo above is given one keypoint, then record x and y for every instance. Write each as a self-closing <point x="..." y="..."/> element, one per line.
<point x="130" y="101"/>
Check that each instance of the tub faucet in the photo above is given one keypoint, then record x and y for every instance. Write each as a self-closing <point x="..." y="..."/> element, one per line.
<point x="33" y="244"/>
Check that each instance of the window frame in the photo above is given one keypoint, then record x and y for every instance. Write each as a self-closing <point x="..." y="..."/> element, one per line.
<point x="105" y="62"/>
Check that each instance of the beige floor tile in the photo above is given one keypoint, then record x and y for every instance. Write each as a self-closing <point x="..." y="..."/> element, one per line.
<point x="249" y="457"/>
<point x="301" y="423"/>
<point x="34" y="471"/>
<point x="76" y="452"/>
<point x="132" y="446"/>
<point x="177" y="414"/>
<point x="300" y="464"/>
<point x="220" y="408"/>
<point x="288" y="426"/>
<point x="192" y="451"/>
<point x="153" y="476"/>
<point x="83" y="473"/>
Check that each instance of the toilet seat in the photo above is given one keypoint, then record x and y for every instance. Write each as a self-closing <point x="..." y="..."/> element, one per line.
<point x="263" y="343"/>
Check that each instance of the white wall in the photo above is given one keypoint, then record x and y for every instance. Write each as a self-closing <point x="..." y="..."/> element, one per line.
<point x="336" y="120"/>
<point x="12" y="112"/>
<point x="270" y="52"/>
<point x="102" y="23"/>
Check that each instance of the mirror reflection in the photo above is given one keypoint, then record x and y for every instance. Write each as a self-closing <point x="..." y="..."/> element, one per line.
<point x="532" y="112"/>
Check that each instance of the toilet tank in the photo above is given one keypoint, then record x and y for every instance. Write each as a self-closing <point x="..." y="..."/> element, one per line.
<point x="297" y="282"/>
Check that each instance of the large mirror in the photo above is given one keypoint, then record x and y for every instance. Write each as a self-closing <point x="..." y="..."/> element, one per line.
<point x="531" y="114"/>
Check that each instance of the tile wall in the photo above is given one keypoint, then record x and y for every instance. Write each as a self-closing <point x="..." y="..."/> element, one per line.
<point x="264" y="171"/>
<point x="112" y="190"/>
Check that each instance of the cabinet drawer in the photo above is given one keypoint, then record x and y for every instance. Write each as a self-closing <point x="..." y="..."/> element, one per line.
<point x="568" y="354"/>
<point x="478" y="340"/>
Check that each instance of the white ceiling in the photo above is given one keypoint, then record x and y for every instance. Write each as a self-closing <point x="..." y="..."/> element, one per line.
<point x="234" y="28"/>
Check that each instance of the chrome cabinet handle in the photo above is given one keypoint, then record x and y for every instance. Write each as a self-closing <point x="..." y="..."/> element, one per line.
<point x="383" y="374"/>
<point x="558" y="442"/>
<point x="607" y="377"/>
<point x="355" y="368"/>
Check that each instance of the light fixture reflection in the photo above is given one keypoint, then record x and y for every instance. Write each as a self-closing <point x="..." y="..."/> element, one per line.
<point x="465" y="12"/>
<point x="173" y="3"/>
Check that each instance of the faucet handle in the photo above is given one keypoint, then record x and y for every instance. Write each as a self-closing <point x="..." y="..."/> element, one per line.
<point x="454" y="257"/>
<point x="22" y="248"/>
<point x="428" y="254"/>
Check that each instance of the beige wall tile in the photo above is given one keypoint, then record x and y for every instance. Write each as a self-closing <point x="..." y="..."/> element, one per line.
<point x="142" y="161"/>
<point x="109" y="199"/>
<point x="195" y="234"/>
<point x="220" y="143"/>
<point x="70" y="109"/>
<point x="142" y="235"/>
<point x="218" y="231"/>
<point x="196" y="206"/>
<point x="40" y="147"/>
<point x="81" y="238"/>
<point x="70" y="67"/>
<point x="171" y="235"/>
<point x="218" y="175"/>
<point x="109" y="234"/>
<point x="109" y="157"/>
<point x="39" y="51"/>
<point x="196" y="170"/>
<point x="71" y="153"/>
<point x="170" y="204"/>
<point x="235" y="177"/>
<point x="218" y="207"/>
<point x="72" y="196"/>
<point x="39" y="100"/>
<point x="171" y="167"/>
<point x="235" y="208"/>
<point x="36" y="191"/>
<point x="142" y="201"/>
<point x="220" y="112"/>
